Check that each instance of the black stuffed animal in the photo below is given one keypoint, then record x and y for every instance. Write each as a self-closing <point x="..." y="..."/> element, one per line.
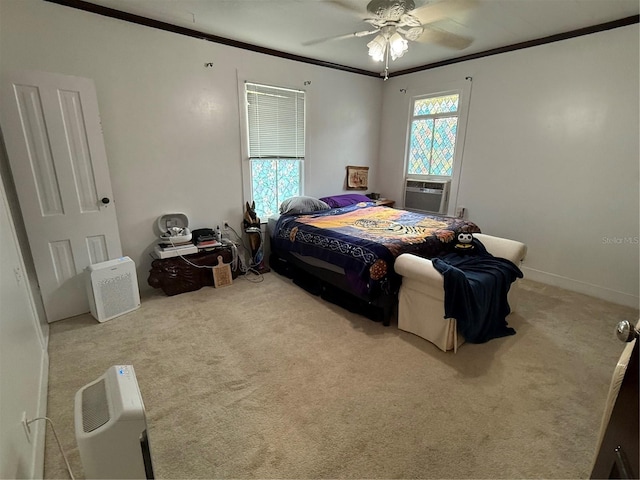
<point x="464" y="245"/>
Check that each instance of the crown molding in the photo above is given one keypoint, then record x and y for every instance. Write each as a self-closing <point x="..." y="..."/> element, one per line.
<point x="148" y="22"/>
<point x="168" y="27"/>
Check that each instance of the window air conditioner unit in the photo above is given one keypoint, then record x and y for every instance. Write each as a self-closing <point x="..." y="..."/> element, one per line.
<point x="112" y="288"/>
<point x="427" y="195"/>
<point x="110" y="427"/>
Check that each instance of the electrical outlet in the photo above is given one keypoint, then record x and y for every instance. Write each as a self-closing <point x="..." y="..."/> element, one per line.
<point x="226" y="225"/>
<point x="460" y="211"/>
<point x="27" y="429"/>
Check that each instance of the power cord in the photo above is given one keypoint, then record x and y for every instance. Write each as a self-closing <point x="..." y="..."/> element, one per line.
<point x="186" y="260"/>
<point x="251" y="267"/>
<point x="55" y="434"/>
<point x="235" y="256"/>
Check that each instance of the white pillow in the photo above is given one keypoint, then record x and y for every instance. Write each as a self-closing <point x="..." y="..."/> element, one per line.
<point x="303" y="205"/>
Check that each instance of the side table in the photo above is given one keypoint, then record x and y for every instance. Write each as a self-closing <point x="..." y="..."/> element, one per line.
<point x="385" y="202"/>
<point x="174" y="275"/>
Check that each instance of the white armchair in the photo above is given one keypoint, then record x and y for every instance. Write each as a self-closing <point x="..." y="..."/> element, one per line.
<point x="421" y="298"/>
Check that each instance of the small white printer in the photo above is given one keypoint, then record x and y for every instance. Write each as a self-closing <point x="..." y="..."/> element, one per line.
<point x="174" y="228"/>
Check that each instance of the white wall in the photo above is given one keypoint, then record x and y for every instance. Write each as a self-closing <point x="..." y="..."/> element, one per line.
<point x="551" y="156"/>
<point x="23" y="359"/>
<point x="172" y="126"/>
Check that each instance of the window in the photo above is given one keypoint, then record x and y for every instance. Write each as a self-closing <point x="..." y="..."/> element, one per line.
<point x="433" y="133"/>
<point x="276" y="124"/>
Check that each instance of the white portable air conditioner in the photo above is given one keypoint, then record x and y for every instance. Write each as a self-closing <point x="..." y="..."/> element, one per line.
<point x="111" y="429"/>
<point x="112" y="288"/>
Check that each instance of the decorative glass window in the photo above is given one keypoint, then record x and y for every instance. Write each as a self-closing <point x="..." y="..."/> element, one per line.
<point x="276" y="132"/>
<point x="432" y="140"/>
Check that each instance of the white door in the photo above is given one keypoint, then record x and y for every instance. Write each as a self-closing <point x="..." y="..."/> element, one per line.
<point x="52" y="132"/>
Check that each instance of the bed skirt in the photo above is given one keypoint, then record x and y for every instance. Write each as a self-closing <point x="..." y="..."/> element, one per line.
<point x="333" y="287"/>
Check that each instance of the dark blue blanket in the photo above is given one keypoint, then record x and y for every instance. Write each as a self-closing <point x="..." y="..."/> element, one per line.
<point x="475" y="292"/>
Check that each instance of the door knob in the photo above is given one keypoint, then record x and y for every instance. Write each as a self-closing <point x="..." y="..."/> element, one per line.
<point x="626" y="332"/>
<point x="105" y="200"/>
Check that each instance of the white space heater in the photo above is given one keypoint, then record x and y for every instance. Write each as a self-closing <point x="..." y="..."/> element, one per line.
<point x="111" y="428"/>
<point x="112" y="288"/>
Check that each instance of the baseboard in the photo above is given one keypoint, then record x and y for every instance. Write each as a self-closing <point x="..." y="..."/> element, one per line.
<point x="613" y="296"/>
<point x="39" y="427"/>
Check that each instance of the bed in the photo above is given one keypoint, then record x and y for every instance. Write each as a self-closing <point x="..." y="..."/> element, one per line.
<point x="343" y="248"/>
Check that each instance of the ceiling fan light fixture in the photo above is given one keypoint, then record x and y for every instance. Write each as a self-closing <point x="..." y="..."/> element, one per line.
<point x="377" y="48"/>
<point x="397" y="45"/>
<point x="394" y="44"/>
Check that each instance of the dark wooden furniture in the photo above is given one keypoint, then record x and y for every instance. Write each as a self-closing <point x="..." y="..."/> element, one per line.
<point x="385" y="202"/>
<point x="175" y="275"/>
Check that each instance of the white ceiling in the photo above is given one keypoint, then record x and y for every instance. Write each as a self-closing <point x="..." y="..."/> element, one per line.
<point x="285" y="25"/>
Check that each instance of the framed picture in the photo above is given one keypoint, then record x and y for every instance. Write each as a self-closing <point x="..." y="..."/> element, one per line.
<point x="357" y="178"/>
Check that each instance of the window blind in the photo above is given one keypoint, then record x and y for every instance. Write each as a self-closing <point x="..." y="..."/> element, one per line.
<point x="276" y="122"/>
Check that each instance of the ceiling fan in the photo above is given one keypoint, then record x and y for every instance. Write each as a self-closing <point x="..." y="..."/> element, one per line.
<point x="396" y="22"/>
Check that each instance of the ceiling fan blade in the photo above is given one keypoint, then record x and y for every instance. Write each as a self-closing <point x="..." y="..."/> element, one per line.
<point x="432" y="12"/>
<point x="340" y="37"/>
<point x="445" y="39"/>
<point x="366" y="32"/>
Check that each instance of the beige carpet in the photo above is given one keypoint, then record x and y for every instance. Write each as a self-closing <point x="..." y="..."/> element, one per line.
<point x="263" y="380"/>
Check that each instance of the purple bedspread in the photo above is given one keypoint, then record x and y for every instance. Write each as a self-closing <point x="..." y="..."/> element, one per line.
<point x="365" y="239"/>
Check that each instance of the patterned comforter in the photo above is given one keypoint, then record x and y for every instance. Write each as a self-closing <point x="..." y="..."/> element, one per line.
<point x="364" y="240"/>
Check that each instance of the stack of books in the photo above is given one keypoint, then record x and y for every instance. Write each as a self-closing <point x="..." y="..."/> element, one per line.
<point x="208" y="244"/>
<point x="206" y="241"/>
<point x="173" y="249"/>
